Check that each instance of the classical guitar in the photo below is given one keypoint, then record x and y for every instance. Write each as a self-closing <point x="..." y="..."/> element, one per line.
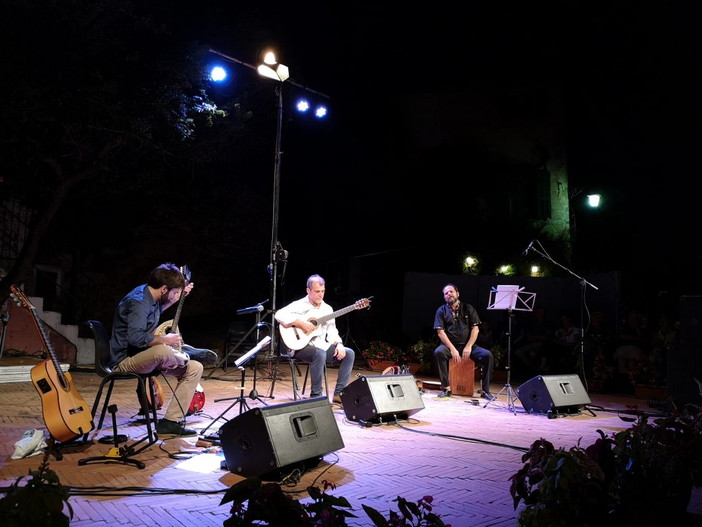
<point x="171" y="326"/>
<point x="296" y="339"/>
<point x="66" y="414"/>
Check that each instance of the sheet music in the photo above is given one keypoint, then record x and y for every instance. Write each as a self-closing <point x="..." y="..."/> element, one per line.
<point x="511" y="297"/>
<point x="258" y="347"/>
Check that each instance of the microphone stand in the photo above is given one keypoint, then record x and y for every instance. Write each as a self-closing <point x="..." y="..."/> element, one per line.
<point x="223" y="362"/>
<point x="583" y="287"/>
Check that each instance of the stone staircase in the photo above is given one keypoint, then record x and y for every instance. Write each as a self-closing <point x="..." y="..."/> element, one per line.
<point x="23" y="336"/>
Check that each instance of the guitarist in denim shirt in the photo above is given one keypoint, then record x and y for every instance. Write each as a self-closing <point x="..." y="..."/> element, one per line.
<point x="135" y="348"/>
<point x="325" y="343"/>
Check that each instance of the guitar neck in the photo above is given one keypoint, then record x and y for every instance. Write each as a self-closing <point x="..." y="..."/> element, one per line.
<point x="176" y="318"/>
<point x="47" y="344"/>
<point x="21" y="299"/>
<point x="330" y="316"/>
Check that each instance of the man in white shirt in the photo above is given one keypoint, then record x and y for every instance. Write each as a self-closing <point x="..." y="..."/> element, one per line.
<point x="323" y="340"/>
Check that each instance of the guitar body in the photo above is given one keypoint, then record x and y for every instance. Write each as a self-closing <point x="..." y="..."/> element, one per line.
<point x="296" y="339"/>
<point x="164" y="328"/>
<point x="158" y="396"/>
<point x="66" y="414"/>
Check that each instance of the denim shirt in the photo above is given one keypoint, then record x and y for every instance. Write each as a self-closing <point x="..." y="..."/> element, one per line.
<point x="136" y="318"/>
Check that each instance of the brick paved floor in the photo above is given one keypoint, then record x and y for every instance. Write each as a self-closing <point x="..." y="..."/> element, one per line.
<point x="459" y="453"/>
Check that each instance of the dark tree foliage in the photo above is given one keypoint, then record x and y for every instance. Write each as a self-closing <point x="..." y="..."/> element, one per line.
<point x="109" y="138"/>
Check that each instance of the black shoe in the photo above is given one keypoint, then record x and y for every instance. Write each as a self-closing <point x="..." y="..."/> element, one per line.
<point x="488" y="396"/>
<point x="444" y="393"/>
<point x="167" y="427"/>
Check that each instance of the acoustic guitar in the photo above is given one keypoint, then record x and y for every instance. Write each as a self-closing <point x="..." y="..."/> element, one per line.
<point x="171" y="326"/>
<point x="296" y="339"/>
<point x="65" y="412"/>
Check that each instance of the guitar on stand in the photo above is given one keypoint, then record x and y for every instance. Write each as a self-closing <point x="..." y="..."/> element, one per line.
<point x="66" y="414"/>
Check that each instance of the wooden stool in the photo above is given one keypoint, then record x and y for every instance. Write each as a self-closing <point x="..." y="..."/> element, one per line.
<point x="462" y="377"/>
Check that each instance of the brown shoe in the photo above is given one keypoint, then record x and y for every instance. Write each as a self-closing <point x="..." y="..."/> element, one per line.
<point x="337" y="399"/>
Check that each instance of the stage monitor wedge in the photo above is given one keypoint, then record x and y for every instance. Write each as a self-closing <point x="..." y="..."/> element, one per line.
<point x="267" y="441"/>
<point x="381" y="397"/>
<point x="553" y="394"/>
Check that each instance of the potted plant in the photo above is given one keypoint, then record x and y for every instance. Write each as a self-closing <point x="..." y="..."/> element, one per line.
<point x="41" y="501"/>
<point x="656" y="463"/>
<point x="646" y="380"/>
<point x="422" y="353"/>
<point x="642" y="475"/>
<point x="602" y="372"/>
<point x="559" y="487"/>
<point x="257" y="503"/>
<point x="380" y="355"/>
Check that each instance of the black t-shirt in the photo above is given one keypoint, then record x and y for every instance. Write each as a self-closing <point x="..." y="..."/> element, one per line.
<point x="456" y="325"/>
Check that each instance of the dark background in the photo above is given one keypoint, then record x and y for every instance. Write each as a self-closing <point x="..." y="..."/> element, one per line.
<point x="439" y="118"/>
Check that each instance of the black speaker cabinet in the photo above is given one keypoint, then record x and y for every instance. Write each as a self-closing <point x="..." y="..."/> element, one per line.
<point x="381" y="396"/>
<point x="553" y="393"/>
<point x="265" y="441"/>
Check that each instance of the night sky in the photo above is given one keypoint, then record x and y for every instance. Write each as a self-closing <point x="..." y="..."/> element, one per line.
<point x="389" y="183"/>
<point x="630" y="96"/>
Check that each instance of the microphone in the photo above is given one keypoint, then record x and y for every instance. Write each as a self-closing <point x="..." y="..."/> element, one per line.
<point x="253" y="309"/>
<point x="531" y="243"/>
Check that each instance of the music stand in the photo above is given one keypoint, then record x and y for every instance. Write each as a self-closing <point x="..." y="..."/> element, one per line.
<point x="510" y="298"/>
<point x="241" y="399"/>
<point x="258" y="308"/>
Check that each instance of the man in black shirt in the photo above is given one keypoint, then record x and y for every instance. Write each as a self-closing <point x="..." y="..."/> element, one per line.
<point x="457" y="325"/>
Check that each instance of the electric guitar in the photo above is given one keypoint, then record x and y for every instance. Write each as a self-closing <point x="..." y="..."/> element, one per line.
<point x="296" y="339"/>
<point x="66" y="414"/>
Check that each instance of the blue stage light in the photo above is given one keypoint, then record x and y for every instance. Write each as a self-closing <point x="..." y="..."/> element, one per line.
<point x="218" y="74"/>
<point x="320" y="112"/>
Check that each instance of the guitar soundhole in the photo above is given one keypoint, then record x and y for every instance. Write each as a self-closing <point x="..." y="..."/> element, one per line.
<point x="43" y="386"/>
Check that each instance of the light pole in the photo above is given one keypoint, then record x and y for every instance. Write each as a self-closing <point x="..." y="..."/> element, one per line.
<point x="271" y="69"/>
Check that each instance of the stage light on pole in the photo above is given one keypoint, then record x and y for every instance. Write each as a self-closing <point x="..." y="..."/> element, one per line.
<point x="271" y="69"/>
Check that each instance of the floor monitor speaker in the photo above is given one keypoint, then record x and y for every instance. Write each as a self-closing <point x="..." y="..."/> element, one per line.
<point x="381" y="397"/>
<point x="552" y="394"/>
<point x="268" y="441"/>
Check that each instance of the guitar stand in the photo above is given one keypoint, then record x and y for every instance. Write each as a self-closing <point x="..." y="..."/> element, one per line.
<point x="54" y="447"/>
<point x="117" y="454"/>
